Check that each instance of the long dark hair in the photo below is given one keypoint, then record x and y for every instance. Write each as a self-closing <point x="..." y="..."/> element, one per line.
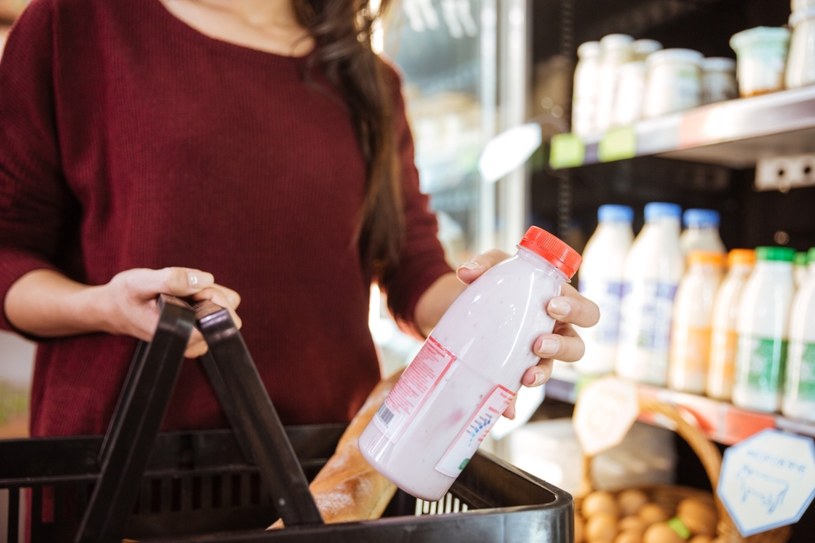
<point x="342" y="32"/>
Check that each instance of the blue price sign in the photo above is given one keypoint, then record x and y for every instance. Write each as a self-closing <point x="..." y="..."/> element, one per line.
<point x="768" y="480"/>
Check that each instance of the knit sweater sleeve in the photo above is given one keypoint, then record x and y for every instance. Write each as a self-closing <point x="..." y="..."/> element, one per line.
<point x="422" y="260"/>
<point x="32" y="192"/>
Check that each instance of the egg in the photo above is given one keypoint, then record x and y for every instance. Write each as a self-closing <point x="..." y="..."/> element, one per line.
<point x="628" y="536"/>
<point x="661" y="533"/>
<point x="601" y="527"/>
<point x="698" y="515"/>
<point x="579" y="529"/>
<point x="632" y="523"/>
<point x="651" y="513"/>
<point x="599" y="501"/>
<point x="631" y="500"/>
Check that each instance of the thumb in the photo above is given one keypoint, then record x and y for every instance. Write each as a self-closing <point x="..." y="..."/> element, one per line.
<point x="473" y="268"/>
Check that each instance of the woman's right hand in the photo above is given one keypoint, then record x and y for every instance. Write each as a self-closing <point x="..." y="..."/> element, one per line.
<point x="129" y="300"/>
<point x="45" y="303"/>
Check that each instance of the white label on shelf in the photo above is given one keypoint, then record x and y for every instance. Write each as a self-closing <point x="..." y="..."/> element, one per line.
<point x="604" y="412"/>
<point x="768" y="480"/>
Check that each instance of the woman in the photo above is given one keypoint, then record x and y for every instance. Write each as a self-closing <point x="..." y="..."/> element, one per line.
<point x="253" y="152"/>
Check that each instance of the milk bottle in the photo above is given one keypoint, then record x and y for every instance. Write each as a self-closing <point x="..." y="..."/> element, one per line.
<point x="692" y="322"/>
<point x="799" y="392"/>
<point x="468" y="370"/>
<point x="800" y="268"/>
<point x="701" y="231"/>
<point x="653" y="268"/>
<point x="763" y="330"/>
<point x="601" y="280"/>
<point x="724" y="340"/>
<point x="584" y="88"/>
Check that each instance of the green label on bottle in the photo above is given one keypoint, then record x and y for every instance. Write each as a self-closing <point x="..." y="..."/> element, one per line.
<point x="801" y="369"/>
<point x="761" y="363"/>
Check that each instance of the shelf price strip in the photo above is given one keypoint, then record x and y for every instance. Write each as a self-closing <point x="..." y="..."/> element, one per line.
<point x="567" y="151"/>
<point x="618" y="144"/>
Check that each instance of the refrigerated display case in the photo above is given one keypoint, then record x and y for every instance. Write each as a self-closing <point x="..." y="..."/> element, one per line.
<point x="750" y="159"/>
<point x="464" y="65"/>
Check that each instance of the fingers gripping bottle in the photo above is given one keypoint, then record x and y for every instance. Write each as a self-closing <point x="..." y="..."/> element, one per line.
<point x="468" y="370"/>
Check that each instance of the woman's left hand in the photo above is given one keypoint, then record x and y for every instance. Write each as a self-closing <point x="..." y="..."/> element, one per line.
<point x="569" y="309"/>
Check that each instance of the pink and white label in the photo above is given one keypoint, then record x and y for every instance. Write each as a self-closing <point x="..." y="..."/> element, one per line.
<point x="414" y="387"/>
<point x="467" y="442"/>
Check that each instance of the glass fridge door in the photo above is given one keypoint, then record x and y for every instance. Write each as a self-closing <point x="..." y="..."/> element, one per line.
<point x="465" y="78"/>
<point x="465" y="69"/>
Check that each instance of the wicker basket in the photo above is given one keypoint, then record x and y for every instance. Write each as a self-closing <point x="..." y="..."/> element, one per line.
<point x="669" y="496"/>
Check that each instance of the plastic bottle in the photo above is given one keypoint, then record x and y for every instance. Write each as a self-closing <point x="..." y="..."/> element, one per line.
<point x="799" y="391"/>
<point x="693" y="321"/>
<point x="653" y="268"/>
<point x="724" y="341"/>
<point x="615" y="50"/>
<point x="800" y="268"/>
<point x="584" y="95"/>
<point x="468" y="369"/>
<point x="601" y="280"/>
<point x="763" y="330"/>
<point x="701" y="231"/>
<point x="673" y="81"/>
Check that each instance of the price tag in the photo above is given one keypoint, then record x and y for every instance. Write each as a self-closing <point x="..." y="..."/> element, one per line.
<point x="618" y="144"/>
<point x="768" y="480"/>
<point x="604" y="412"/>
<point x="567" y="151"/>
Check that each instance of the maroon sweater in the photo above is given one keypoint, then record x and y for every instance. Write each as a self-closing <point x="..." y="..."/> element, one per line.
<point x="128" y="139"/>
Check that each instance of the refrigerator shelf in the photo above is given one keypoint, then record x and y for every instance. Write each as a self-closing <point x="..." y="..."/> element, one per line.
<point x="735" y="133"/>
<point x="720" y="421"/>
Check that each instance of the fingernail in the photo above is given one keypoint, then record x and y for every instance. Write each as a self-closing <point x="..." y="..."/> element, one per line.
<point x="198" y="279"/>
<point x="471" y="265"/>
<point x="559" y="307"/>
<point x="510" y="412"/>
<point x="547" y="347"/>
<point x="541" y="376"/>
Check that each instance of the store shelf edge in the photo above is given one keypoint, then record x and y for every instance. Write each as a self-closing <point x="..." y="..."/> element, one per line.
<point x="725" y="133"/>
<point x="720" y="421"/>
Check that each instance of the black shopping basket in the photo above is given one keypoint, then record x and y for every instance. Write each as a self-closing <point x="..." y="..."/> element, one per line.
<point x="135" y="483"/>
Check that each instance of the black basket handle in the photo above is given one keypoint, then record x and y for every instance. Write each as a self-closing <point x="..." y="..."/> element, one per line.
<point x="143" y="402"/>
<point x="135" y="423"/>
<point x="253" y="417"/>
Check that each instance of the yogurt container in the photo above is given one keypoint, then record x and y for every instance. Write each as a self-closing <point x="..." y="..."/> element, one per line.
<point x="761" y="55"/>
<point x="468" y="370"/>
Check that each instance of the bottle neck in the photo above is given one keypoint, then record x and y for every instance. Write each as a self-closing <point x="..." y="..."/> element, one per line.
<point x="665" y="223"/>
<point x="541" y="262"/>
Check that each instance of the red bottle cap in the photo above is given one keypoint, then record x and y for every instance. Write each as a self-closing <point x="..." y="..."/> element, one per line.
<point x="560" y="255"/>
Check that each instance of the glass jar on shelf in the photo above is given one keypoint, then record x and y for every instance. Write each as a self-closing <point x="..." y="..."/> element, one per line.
<point x="761" y="54"/>
<point x="718" y="80"/>
<point x="615" y="50"/>
<point x="800" y="68"/>
<point x="673" y="81"/>
<point x="585" y="86"/>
